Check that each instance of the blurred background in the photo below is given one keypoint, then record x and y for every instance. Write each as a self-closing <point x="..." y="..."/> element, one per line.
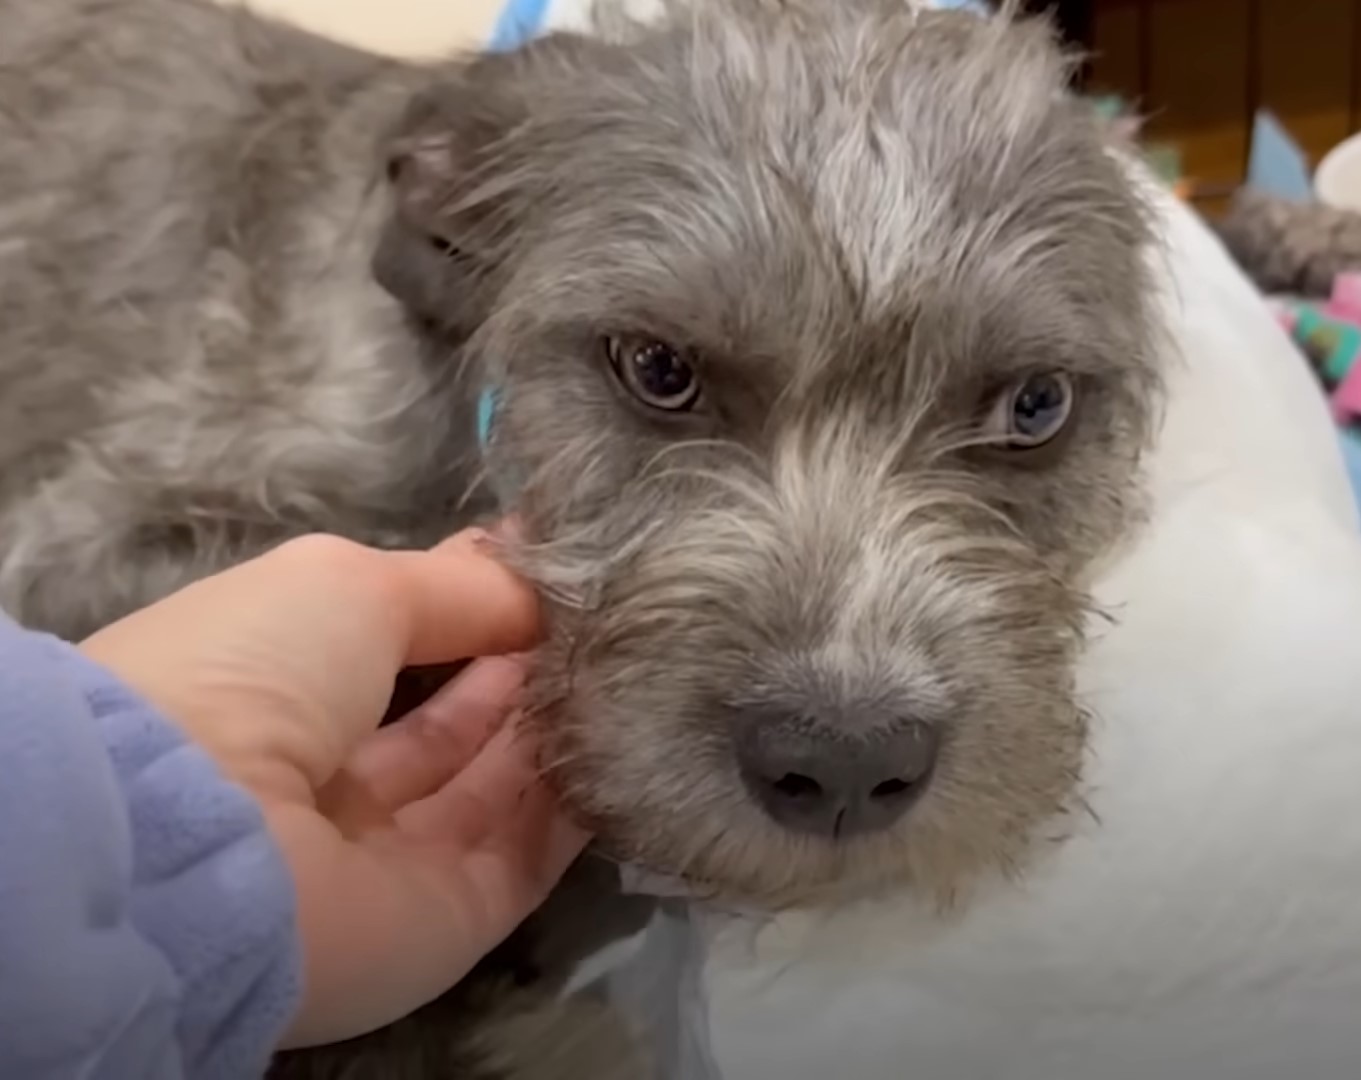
<point x="1198" y="71"/>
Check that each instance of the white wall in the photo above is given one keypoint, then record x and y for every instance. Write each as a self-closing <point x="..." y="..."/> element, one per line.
<point x="401" y="27"/>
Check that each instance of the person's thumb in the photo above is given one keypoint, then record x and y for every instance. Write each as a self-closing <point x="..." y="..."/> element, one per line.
<point x="459" y="602"/>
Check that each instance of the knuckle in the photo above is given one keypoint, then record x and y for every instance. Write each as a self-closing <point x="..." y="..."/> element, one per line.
<point x="327" y="555"/>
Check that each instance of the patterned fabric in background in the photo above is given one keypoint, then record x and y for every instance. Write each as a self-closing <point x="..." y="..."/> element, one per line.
<point x="1329" y="337"/>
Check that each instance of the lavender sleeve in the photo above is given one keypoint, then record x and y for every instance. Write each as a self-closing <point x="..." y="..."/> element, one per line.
<point x="147" y="920"/>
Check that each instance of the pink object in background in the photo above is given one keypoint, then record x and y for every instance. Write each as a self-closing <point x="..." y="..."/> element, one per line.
<point x="1345" y="303"/>
<point x="1346" y="399"/>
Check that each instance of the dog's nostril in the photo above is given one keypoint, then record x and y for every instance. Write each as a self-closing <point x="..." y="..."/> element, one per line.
<point x="811" y="777"/>
<point x="795" y="786"/>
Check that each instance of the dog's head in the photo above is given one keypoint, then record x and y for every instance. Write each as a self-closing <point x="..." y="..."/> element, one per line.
<point x="825" y="356"/>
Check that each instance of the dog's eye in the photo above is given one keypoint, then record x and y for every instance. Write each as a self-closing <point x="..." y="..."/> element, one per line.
<point x="654" y="373"/>
<point x="1034" y="411"/>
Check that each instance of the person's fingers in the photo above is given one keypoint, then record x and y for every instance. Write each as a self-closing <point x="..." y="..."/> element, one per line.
<point x="417" y="755"/>
<point x="500" y="808"/>
<point x="513" y="872"/>
<point x="508" y="529"/>
<point x="481" y="798"/>
<point x="461" y="602"/>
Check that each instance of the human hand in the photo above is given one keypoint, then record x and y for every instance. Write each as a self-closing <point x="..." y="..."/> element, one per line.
<point x="416" y="848"/>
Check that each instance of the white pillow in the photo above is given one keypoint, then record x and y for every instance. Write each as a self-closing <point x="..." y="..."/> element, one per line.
<point x="1209" y="923"/>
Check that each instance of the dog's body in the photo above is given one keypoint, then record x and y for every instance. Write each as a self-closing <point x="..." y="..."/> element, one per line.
<point x="823" y="356"/>
<point x="196" y="360"/>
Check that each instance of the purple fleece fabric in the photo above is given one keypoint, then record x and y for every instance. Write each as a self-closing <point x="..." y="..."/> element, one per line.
<point x="147" y="919"/>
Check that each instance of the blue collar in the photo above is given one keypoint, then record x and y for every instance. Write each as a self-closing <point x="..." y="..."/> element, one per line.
<point x="486" y="413"/>
<point x="503" y="486"/>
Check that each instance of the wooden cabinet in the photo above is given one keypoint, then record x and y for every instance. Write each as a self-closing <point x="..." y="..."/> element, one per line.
<point x="1199" y="69"/>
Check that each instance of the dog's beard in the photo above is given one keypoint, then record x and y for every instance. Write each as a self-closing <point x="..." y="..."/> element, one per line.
<point x="826" y="579"/>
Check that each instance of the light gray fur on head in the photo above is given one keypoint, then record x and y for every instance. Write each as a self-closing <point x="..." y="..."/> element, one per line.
<point x="229" y="315"/>
<point x="864" y="222"/>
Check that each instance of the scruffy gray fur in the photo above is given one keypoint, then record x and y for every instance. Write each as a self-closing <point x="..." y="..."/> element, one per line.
<point x="251" y="284"/>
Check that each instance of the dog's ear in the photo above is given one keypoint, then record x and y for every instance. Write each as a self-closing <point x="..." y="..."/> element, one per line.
<point x="450" y="170"/>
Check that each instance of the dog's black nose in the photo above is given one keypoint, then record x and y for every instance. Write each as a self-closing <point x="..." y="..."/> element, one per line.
<point x="815" y="779"/>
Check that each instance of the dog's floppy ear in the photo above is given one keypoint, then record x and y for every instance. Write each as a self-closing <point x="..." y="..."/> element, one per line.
<point x="450" y="170"/>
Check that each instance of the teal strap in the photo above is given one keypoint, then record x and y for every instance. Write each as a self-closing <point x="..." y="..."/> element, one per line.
<point x="486" y="412"/>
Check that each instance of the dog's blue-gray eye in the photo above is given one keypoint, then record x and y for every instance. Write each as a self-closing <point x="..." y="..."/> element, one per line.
<point x="655" y="373"/>
<point x="1037" y="409"/>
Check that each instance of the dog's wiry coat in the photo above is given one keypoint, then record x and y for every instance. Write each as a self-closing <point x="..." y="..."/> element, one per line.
<point x="251" y="284"/>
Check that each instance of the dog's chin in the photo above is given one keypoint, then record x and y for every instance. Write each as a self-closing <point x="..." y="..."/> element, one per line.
<point x="660" y="789"/>
<point x="781" y="871"/>
<point x="729" y="854"/>
<point x="817" y="884"/>
<point x="732" y="856"/>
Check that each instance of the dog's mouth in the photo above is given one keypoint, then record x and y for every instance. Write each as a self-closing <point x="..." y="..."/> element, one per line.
<point x="726" y="848"/>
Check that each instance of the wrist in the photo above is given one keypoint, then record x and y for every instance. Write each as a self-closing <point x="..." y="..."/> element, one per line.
<point x="210" y="889"/>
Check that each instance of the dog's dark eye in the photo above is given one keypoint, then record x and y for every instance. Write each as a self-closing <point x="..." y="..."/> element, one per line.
<point x="1034" y="411"/>
<point x="654" y="373"/>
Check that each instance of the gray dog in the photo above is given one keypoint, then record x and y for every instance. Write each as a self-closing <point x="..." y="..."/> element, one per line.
<point x="822" y="351"/>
